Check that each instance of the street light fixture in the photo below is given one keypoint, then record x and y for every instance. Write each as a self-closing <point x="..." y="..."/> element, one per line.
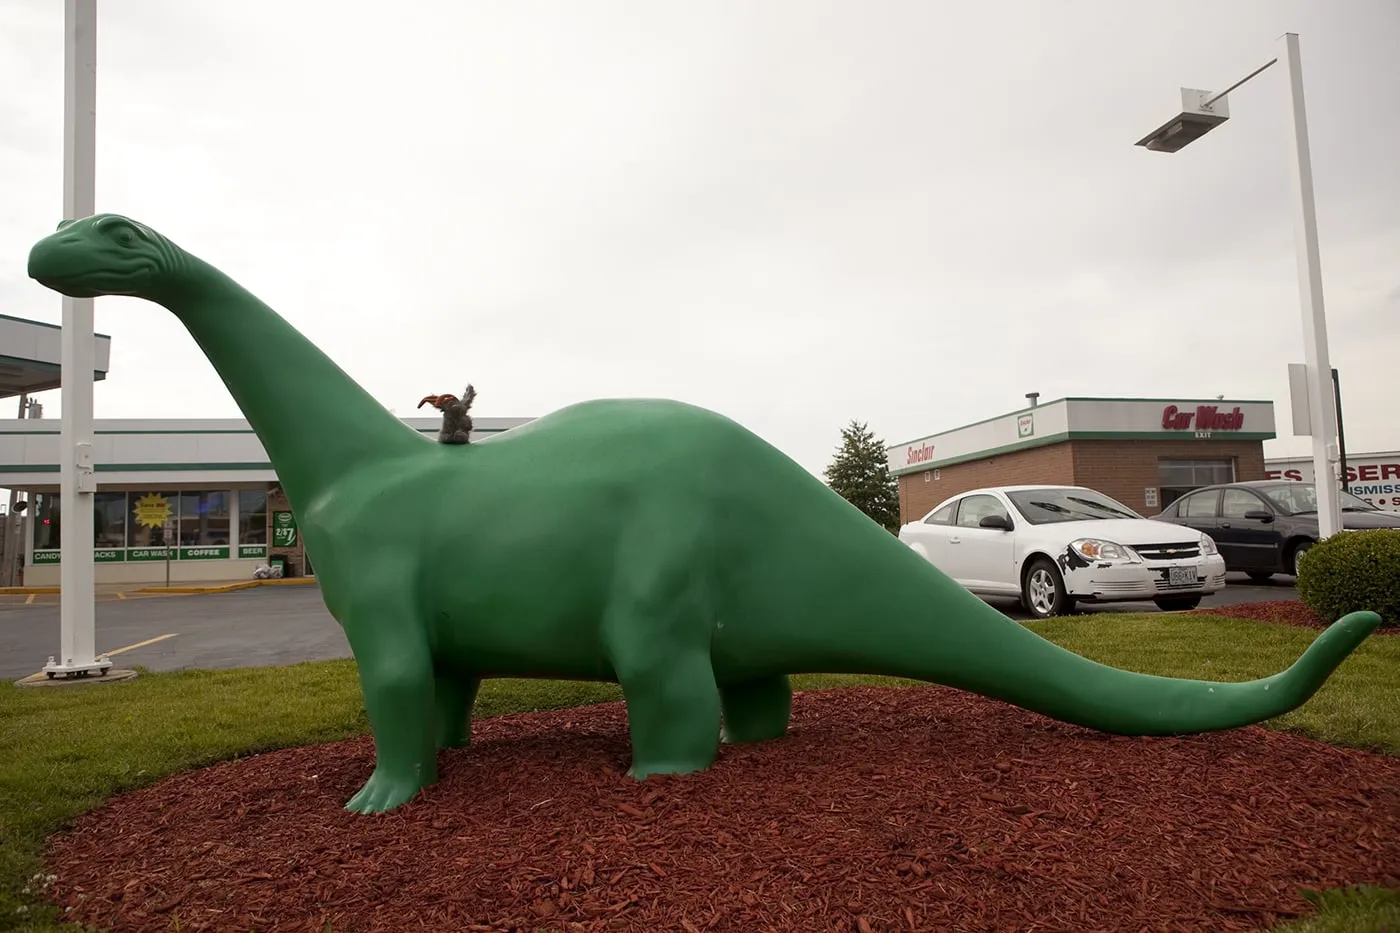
<point x="1200" y="113"/>
<point x="1195" y="120"/>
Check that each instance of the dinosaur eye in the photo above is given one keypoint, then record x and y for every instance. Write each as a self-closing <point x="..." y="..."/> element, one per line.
<point x="125" y="236"/>
<point x="122" y="233"/>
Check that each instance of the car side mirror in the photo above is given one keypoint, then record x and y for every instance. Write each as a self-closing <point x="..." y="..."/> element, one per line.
<point x="995" y="521"/>
<point x="1259" y="515"/>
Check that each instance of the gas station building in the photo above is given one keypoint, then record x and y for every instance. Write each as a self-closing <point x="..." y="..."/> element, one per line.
<point x="200" y="495"/>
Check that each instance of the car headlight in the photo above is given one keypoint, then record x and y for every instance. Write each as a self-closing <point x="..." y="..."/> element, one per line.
<point x="1099" y="549"/>
<point x="1208" y="546"/>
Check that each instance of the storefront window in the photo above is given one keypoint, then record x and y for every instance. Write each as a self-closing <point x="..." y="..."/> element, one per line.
<point x="143" y="507"/>
<point x="46" y="521"/>
<point x="110" y="528"/>
<point x="252" y="516"/>
<point x="1178" y="477"/>
<point x="108" y="521"/>
<point x="129" y="526"/>
<point x="203" y="518"/>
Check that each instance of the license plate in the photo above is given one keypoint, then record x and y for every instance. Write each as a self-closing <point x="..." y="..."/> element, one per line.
<point x="1181" y="576"/>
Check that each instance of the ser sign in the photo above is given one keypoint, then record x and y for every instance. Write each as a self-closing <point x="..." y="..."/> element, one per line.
<point x="1206" y="418"/>
<point x="1375" y="480"/>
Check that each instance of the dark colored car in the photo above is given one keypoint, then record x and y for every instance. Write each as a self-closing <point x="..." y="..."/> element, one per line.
<point x="1261" y="527"/>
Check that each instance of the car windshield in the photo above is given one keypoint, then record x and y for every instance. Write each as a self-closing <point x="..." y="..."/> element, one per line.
<point x="1043" y="506"/>
<point x="1301" y="499"/>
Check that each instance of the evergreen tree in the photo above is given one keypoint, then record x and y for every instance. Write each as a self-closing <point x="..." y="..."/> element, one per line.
<point x="860" y="474"/>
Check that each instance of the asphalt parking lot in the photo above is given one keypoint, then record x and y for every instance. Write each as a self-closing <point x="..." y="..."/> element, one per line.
<point x="259" y="627"/>
<point x="268" y="626"/>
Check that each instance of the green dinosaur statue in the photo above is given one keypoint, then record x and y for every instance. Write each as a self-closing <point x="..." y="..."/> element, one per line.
<point x="647" y="543"/>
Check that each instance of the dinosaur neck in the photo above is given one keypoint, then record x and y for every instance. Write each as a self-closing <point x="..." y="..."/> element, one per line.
<point x="314" y="421"/>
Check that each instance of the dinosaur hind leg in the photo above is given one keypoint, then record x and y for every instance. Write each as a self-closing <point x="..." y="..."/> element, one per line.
<point x="454" y="697"/>
<point x="756" y="710"/>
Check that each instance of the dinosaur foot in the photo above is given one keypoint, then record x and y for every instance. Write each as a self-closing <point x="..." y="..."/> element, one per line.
<point x="643" y="770"/>
<point x="383" y="792"/>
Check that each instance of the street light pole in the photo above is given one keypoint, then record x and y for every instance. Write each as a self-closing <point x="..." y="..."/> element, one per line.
<point x="1201" y="112"/>
<point x="77" y="482"/>
<point x="1341" y="432"/>
<point x="1321" y="401"/>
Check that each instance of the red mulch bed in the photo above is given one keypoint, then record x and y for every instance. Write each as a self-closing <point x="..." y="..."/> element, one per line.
<point x="1284" y="612"/>
<point x="885" y="809"/>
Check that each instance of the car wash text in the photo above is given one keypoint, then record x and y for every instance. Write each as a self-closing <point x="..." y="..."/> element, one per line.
<point x="1206" y="418"/>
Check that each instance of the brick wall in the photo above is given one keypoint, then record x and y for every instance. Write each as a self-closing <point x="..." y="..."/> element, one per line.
<point x="1118" y="468"/>
<point x="1053" y="463"/>
<point x="295" y="556"/>
<point x="1124" y="469"/>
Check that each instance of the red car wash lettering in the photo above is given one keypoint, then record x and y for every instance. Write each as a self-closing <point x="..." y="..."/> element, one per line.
<point x="1206" y="417"/>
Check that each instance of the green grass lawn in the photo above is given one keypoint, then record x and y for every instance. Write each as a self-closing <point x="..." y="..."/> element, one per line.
<point x="64" y="750"/>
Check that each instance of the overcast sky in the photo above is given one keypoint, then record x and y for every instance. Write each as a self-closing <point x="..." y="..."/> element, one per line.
<point x="795" y="212"/>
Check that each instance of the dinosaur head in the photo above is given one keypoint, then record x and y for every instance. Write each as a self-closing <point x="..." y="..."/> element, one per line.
<point x="105" y="254"/>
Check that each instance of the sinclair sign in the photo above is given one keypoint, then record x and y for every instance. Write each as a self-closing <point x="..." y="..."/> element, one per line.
<point x="1202" y="418"/>
<point x="923" y="453"/>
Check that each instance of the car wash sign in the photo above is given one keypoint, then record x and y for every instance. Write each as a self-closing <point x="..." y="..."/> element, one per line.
<point x="1203" y="419"/>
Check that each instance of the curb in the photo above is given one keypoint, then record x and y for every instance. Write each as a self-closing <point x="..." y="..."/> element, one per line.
<point x="221" y="588"/>
<point x="228" y="587"/>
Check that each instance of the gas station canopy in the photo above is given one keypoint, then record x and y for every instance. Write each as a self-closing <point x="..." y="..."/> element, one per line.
<point x="31" y="356"/>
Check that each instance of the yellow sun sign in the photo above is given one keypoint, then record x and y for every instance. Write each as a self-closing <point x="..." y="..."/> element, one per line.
<point x="152" y="510"/>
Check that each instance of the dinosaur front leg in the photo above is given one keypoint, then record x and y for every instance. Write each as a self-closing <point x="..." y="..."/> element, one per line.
<point x="455" y="698"/>
<point x="397" y="682"/>
<point x="673" y="710"/>
<point x="656" y="633"/>
<point x="660" y="655"/>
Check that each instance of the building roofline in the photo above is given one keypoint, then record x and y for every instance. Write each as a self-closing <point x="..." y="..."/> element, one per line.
<point x="129" y="426"/>
<point x="1050" y="440"/>
<point x="1351" y="455"/>
<point x="25" y="320"/>
<point x="1185" y="400"/>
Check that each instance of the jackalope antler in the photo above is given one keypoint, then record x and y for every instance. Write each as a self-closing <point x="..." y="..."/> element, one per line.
<point x="456" y="423"/>
<point x="437" y="400"/>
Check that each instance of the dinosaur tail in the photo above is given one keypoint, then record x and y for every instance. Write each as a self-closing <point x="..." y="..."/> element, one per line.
<point x="907" y="619"/>
<point x="1071" y="688"/>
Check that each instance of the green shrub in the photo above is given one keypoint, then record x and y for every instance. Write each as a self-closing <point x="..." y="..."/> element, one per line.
<point x="1353" y="570"/>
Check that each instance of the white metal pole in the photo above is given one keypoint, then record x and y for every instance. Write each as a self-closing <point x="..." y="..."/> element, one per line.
<point x="1319" y="367"/>
<point x="77" y="482"/>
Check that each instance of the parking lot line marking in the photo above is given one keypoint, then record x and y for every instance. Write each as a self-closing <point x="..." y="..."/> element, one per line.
<point x="142" y="644"/>
<point x="40" y="675"/>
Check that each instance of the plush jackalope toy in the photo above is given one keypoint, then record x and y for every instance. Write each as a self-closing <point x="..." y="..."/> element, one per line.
<point x="456" y="423"/>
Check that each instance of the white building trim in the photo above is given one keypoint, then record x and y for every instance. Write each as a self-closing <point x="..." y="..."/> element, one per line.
<point x="164" y="451"/>
<point x="1086" y="419"/>
<point x="168" y="456"/>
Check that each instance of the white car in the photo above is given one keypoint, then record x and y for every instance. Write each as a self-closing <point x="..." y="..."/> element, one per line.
<point x="1053" y="546"/>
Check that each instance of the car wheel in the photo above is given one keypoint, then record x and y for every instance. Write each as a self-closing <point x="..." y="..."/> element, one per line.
<point x="1296" y="555"/>
<point x="1177" y="603"/>
<point x="1043" y="590"/>
<point x="1260" y="575"/>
